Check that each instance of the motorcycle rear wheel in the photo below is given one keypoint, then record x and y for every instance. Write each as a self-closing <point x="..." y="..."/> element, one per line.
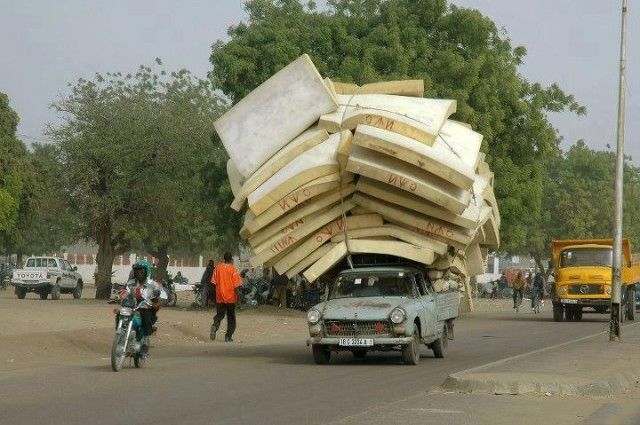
<point x="117" y="351"/>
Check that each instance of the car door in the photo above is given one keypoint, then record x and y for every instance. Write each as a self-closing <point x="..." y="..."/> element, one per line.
<point x="64" y="278"/>
<point x="429" y="302"/>
<point x="71" y="275"/>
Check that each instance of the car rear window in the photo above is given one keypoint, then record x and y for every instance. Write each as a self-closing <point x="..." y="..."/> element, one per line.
<point x="52" y="262"/>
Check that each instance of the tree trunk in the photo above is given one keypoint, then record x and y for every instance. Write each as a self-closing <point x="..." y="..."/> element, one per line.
<point x="163" y="262"/>
<point x="19" y="259"/>
<point x="104" y="262"/>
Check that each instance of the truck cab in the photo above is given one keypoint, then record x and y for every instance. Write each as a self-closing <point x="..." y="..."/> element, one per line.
<point x="583" y="272"/>
<point x="47" y="276"/>
<point x="383" y="309"/>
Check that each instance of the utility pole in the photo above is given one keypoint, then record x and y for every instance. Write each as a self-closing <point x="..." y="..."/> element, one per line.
<point x="615" y="333"/>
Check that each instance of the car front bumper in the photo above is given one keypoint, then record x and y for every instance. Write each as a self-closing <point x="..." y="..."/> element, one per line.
<point x="377" y="342"/>
<point x="32" y="286"/>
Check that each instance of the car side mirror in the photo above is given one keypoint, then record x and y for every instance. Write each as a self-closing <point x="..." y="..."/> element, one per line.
<point x="75" y="268"/>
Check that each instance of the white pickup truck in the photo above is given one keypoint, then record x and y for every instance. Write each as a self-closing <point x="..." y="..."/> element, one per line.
<point x="47" y="275"/>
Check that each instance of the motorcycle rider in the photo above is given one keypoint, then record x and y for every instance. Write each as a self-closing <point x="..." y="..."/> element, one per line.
<point x="538" y="288"/>
<point x="142" y="288"/>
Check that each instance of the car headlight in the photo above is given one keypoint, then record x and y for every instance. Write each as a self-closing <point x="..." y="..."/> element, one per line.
<point x="313" y="316"/>
<point x="397" y="316"/>
<point x="608" y="290"/>
<point x="562" y="290"/>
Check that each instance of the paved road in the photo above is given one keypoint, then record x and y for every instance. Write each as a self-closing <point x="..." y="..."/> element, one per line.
<point x="267" y="384"/>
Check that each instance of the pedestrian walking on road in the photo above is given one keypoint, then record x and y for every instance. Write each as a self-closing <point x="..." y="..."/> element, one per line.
<point x="518" y="285"/>
<point x="226" y="279"/>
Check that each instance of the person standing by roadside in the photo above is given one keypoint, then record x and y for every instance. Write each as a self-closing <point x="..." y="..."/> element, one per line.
<point x="518" y="285"/>
<point x="208" y="288"/>
<point x="279" y="283"/>
<point x="226" y="279"/>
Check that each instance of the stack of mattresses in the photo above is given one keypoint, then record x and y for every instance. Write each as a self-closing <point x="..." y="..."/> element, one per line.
<point x="327" y="169"/>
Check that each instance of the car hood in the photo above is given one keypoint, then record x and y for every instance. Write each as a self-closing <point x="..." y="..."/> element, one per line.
<point x="378" y="308"/>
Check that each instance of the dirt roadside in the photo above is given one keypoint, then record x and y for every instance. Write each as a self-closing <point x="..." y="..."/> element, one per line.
<point x="36" y="333"/>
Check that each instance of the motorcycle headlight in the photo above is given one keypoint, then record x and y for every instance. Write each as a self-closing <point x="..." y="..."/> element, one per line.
<point x="126" y="311"/>
<point x="562" y="290"/>
<point x="608" y="290"/>
<point x="313" y="316"/>
<point x="397" y="316"/>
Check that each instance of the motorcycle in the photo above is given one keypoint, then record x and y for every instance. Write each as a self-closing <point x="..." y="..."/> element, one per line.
<point x="124" y="341"/>
<point x="200" y="295"/>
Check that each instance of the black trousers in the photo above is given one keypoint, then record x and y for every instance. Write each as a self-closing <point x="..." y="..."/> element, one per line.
<point x="230" y="311"/>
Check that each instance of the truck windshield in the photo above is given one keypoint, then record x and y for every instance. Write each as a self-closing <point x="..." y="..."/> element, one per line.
<point x="585" y="257"/>
<point x="392" y="284"/>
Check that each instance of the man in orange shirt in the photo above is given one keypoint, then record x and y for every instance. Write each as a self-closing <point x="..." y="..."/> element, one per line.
<point x="226" y="279"/>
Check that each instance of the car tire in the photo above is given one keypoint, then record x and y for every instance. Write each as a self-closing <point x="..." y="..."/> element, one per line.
<point x="321" y="354"/>
<point x="411" y="351"/>
<point x="77" y="291"/>
<point x="440" y="345"/>
<point x="21" y="293"/>
<point x="43" y="295"/>
<point x="55" y="292"/>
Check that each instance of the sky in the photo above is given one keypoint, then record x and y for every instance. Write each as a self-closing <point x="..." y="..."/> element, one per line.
<point x="48" y="44"/>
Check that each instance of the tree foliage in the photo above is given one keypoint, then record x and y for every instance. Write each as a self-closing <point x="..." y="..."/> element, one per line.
<point x="132" y="147"/>
<point x="13" y="167"/>
<point x="459" y="53"/>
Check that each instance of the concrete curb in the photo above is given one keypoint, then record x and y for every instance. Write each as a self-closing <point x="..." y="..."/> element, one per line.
<point x="480" y="380"/>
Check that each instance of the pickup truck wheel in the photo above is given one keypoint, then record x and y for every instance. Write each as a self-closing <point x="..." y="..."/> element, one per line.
<point x="55" y="292"/>
<point x="77" y="291"/>
<point x="43" y="295"/>
<point x="557" y="313"/>
<point x="21" y="293"/>
<point x="411" y="351"/>
<point x="321" y="355"/>
<point x="440" y="345"/>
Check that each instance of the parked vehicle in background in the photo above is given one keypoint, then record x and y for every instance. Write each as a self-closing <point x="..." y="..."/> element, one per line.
<point x="583" y="278"/>
<point x="47" y="275"/>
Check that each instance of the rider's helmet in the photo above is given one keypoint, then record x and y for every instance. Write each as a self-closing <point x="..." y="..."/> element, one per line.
<point x="143" y="264"/>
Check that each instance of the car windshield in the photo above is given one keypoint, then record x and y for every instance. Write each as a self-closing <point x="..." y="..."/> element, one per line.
<point x="585" y="257"/>
<point x="358" y="285"/>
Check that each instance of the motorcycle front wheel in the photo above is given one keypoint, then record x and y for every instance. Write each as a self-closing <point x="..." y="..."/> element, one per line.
<point x="117" y="351"/>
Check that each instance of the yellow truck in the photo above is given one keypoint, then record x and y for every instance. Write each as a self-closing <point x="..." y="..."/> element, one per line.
<point x="583" y="278"/>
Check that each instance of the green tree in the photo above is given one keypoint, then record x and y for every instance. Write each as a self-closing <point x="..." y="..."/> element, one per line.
<point x="13" y="157"/>
<point x="459" y="53"/>
<point x="130" y="147"/>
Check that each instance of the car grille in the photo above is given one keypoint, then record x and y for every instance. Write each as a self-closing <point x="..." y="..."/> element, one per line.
<point x="356" y="328"/>
<point x="586" y="289"/>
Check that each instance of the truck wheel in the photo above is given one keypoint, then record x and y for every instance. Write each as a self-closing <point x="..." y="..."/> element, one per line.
<point x="411" y="351"/>
<point x="568" y="314"/>
<point x="21" y="293"/>
<point x="557" y="313"/>
<point x="43" y="295"/>
<point x="77" y="291"/>
<point x="55" y="292"/>
<point x="321" y="355"/>
<point x="441" y="344"/>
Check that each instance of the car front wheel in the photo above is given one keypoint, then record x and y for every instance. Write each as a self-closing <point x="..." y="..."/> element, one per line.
<point x="411" y="351"/>
<point x="321" y="355"/>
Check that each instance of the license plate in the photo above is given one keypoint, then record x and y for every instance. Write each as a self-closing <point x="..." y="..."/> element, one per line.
<point x="567" y="301"/>
<point x="356" y="342"/>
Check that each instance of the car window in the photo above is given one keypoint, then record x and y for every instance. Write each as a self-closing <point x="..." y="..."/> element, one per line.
<point x="62" y="266"/>
<point x="422" y="283"/>
<point x="31" y="262"/>
<point x="52" y="262"/>
<point x="377" y="284"/>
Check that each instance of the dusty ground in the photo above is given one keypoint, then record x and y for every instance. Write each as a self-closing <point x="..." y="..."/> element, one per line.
<point x="37" y="333"/>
